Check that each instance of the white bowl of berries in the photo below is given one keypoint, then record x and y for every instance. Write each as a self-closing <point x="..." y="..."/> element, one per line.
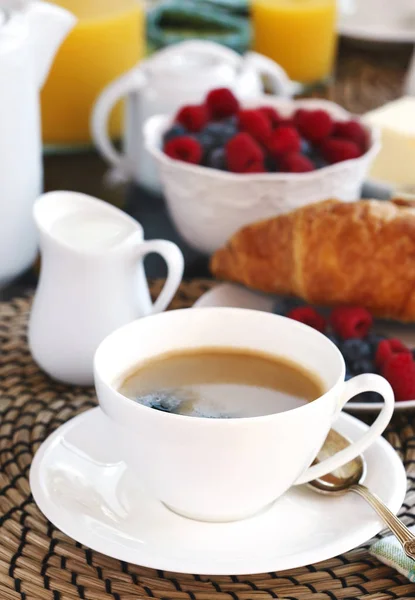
<point x="224" y="166"/>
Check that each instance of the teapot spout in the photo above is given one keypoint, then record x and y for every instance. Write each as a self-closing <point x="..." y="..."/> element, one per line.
<point x="48" y="26"/>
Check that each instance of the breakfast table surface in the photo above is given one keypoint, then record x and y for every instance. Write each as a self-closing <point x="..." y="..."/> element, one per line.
<point x="37" y="561"/>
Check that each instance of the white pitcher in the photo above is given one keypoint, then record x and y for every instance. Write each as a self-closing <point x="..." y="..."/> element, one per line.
<point x="30" y="34"/>
<point x="177" y="75"/>
<point x="92" y="281"/>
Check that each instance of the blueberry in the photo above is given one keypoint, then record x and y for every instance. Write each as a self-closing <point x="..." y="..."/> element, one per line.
<point x="363" y="365"/>
<point x="333" y="338"/>
<point x="217" y="159"/>
<point x="306" y="148"/>
<point x="355" y="349"/>
<point x="373" y="339"/>
<point x="271" y="164"/>
<point x="174" y="131"/>
<point x="221" y="131"/>
<point x="207" y="141"/>
<point x="319" y="162"/>
<point x="369" y="397"/>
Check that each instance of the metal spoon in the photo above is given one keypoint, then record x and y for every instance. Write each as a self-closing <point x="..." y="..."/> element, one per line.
<point x="348" y="478"/>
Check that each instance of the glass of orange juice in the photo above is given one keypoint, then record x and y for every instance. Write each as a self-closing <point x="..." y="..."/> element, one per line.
<point x="300" y="35"/>
<point x="108" y="40"/>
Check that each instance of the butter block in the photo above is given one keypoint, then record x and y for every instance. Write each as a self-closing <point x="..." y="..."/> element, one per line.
<point x="395" y="163"/>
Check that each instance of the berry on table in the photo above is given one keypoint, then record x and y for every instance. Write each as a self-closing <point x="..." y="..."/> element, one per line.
<point x="355" y="349"/>
<point x="388" y="348"/>
<point x="336" y="150"/>
<point x="194" y="118"/>
<point x="284" y="140"/>
<point x="399" y="370"/>
<point x="294" y="162"/>
<point x="222" y="103"/>
<point x="363" y="365"/>
<point x="242" y="151"/>
<point x="256" y="124"/>
<point x="184" y="148"/>
<point x="309" y="316"/>
<point x="351" y="321"/>
<point x="374" y="340"/>
<point x="174" y="131"/>
<point x="314" y="125"/>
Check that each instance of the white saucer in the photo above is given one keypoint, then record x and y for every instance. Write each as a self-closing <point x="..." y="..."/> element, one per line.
<point x="80" y="486"/>
<point x="378" y="20"/>
<point x="228" y="294"/>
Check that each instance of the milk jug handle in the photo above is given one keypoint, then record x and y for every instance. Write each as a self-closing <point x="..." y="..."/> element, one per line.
<point x="175" y="267"/>
<point x="281" y="84"/>
<point x="133" y="81"/>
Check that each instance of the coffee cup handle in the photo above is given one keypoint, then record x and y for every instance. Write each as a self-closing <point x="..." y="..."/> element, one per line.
<point x="175" y="267"/>
<point x="367" y="382"/>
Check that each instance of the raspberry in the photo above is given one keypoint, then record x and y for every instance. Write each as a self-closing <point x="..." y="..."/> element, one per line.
<point x="296" y="163"/>
<point x="388" y="348"/>
<point x="194" y="118"/>
<point x="184" y="148"/>
<point x="308" y="316"/>
<point x="351" y="321"/>
<point x="353" y="131"/>
<point x="336" y="150"/>
<point x="284" y="140"/>
<point x="256" y="167"/>
<point x="242" y="152"/>
<point x="314" y="125"/>
<point x="287" y="122"/>
<point x="271" y="114"/>
<point x="256" y="124"/>
<point x="222" y="103"/>
<point x="399" y="370"/>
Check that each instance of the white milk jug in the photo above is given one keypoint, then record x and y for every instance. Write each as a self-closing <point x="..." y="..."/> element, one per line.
<point x="92" y="281"/>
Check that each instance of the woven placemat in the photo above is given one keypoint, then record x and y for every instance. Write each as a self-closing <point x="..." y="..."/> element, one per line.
<point x="38" y="562"/>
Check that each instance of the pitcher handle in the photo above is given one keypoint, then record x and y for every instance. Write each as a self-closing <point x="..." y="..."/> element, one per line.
<point x="133" y="81"/>
<point x="281" y="84"/>
<point x="175" y="267"/>
<point x="367" y="382"/>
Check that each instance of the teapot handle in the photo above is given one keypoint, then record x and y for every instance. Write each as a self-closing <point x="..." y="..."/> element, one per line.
<point x="133" y="81"/>
<point x="281" y="84"/>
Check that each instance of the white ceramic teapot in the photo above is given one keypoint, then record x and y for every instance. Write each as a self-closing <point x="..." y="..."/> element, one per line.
<point x="29" y="39"/>
<point x="92" y="281"/>
<point x="175" y="76"/>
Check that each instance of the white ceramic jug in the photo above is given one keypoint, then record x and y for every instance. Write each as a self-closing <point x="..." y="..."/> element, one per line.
<point x="29" y="39"/>
<point x="175" y="76"/>
<point x="92" y="281"/>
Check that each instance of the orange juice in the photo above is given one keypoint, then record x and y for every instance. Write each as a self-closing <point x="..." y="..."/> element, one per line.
<point x="108" y="40"/>
<point x="300" y="35"/>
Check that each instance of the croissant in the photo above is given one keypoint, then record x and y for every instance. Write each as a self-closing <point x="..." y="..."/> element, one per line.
<point x="330" y="253"/>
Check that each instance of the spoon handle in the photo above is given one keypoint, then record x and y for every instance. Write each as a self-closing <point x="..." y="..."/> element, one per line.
<point x="402" y="533"/>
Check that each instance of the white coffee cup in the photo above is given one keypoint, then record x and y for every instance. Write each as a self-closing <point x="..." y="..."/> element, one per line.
<point x="228" y="469"/>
